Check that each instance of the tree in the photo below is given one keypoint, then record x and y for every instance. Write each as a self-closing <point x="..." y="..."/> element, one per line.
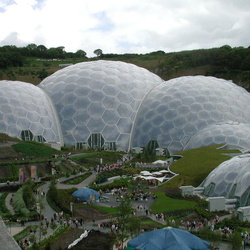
<point x="124" y="213"/>
<point x="41" y="48"/>
<point x="31" y="46"/>
<point x="98" y="52"/>
<point x="80" y="53"/>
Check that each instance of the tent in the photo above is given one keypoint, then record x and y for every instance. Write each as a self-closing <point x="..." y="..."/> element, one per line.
<point x="86" y="194"/>
<point x="166" y="239"/>
<point x="160" y="162"/>
<point x="145" y="173"/>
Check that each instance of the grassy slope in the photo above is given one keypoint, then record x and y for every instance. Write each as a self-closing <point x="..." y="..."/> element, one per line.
<point x="165" y="204"/>
<point x="196" y="164"/>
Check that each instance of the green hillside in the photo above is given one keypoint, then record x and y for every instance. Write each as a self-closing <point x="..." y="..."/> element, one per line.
<point x="33" y="63"/>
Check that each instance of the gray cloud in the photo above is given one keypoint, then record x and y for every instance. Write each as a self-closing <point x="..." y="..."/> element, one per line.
<point x="127" y="26"/>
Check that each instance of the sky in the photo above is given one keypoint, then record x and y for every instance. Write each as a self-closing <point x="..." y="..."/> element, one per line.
<point x="125" y="26"/>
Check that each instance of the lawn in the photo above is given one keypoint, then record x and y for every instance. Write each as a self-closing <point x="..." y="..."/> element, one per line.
<point x="109" y="210"/>
<point x="164" y="204"/>
<point x="196" y="164"/>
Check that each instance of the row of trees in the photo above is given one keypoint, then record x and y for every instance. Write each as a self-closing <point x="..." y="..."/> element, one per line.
<point x="223" y="58"/>
<point x="12" y="56"/>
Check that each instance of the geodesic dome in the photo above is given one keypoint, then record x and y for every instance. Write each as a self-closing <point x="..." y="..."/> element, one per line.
<point x="230" y="179"/>
<point x="116" y="105"/>
<point x="233" y="134"/>
<point x="176" y="110"/>
<point x="97" y="102"/>
<point x="27" y="113"/>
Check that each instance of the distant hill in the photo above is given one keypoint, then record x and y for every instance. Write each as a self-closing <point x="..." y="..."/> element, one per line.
<point x="33" y="64"/>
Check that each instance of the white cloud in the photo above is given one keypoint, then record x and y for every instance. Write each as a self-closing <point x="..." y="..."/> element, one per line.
<point x="125" y="26"/>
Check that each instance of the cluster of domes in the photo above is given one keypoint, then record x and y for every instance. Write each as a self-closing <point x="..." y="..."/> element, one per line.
<point x="116" y="105"/>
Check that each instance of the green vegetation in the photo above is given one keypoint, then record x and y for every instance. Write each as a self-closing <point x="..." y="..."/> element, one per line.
<point x="104" y="175"/>
<point x="45" y="243"/>
<point x="33" y="63"/>
<point x="34" y="149"/>
<point x="77" y="179"/>
<point x="91" y="159"/>
<point x="4" y="212"/>
<point x="60" y="200"/>
<point x="196" y="164"/>
<point x="148" y="224"/>
<point x="5" y="138"/>
<point x="24" y="201"/>
<point x="164" y="204"/>
<point x="24" y="233"/>
<point x="109" y="210"/>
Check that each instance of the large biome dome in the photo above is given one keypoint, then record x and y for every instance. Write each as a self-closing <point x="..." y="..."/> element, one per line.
<point x="230" y="179"/>
<point x="97" y="102"/>
<point x="176" y="110"/>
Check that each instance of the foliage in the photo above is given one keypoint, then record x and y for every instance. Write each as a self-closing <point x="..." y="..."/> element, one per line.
<point x="207" y="234"/>
<point x="104" y="175"/>
<point x="28" y="194"/>
<point x="25" y="63"/>
<point x="60" y="200"/>
<point x="19" y="205"/>
<point x="233" y="223"/>
<point x="115" y="184"/>
<point x="236" y="240"/>
<point x="6" y="138"/>
<point x="24" y="233"/>
<point x="91" y="159"/>
<point x="124" y="211"/>
<point x="3" y="209"/>
<point x="201" y="209"/>
<point x="57" y="232"/>
<point x="77" y="179"/>
<point x="34" y="149"/>
<point x="148" y="224"/>
<point x="98" y="52"/>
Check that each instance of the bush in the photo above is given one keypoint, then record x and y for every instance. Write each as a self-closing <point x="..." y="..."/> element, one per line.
<point x="60" y="200"/>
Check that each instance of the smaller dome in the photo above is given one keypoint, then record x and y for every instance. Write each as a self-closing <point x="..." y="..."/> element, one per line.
<point x="230" y="179"/>
<point x="233" y="134"/>
<point x="26" y="112"/>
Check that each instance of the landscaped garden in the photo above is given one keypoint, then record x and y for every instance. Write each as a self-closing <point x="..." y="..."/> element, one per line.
<point x="192" y="168"/>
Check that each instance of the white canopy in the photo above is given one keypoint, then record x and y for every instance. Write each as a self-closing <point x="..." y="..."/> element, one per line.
<point x="145" y="173"/>
<point x="160" y="162"/>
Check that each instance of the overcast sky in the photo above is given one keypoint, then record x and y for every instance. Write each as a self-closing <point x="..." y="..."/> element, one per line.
<point x="125" y="26"/>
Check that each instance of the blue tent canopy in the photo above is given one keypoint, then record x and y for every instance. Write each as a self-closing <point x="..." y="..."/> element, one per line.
<point x="168" y="238"/>
<point x="86" y="194"/>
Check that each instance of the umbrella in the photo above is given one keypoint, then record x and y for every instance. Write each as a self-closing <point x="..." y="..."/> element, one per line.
<point x="168" y="238"/>
<point x="86" y="194"/>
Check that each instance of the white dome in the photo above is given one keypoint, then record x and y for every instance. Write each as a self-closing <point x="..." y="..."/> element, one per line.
<point x="26" y="111"/>
<point x="233" y="134"/>
<point x="97" y="102"/>
<point x="230" y="179"/>
<point x="174" y="111"/>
